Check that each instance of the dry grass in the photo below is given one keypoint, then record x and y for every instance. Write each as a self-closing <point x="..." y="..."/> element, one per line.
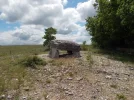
<point x="90" y="59"/>
<point x="62" y="61"/>
<point x="21" y="50"/>
<point x="13" y="74"/>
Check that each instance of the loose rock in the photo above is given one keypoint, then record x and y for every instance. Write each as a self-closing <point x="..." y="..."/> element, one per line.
<point x="2" y="96"/>
<point x="9" y="97"/>
<point x="108" y="77"/>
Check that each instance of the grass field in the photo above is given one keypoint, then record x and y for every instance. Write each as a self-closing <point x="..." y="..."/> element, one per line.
<point x="20" y="50"/>
<point x="12" y="73"/>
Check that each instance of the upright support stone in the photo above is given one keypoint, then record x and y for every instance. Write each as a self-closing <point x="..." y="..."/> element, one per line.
<point x="50" y="53"/>
<point x="54" y="53"/>
<point x="76" y="54"/>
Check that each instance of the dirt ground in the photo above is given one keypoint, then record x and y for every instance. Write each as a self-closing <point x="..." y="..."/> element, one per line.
<point x="76" y="79"/>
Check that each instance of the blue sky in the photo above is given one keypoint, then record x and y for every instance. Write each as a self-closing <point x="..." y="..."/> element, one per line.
<point x="73" y="3"/>
<point x="5" y="26"/>
<point x="23" y="22"/>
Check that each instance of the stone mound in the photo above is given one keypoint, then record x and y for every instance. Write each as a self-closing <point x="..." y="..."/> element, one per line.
<point x="72" y="48"/>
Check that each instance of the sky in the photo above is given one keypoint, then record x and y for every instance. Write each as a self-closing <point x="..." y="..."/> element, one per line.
<point x="24" y="21"/>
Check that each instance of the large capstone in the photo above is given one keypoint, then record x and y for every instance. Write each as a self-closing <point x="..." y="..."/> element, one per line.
<point x="72" y="48"/>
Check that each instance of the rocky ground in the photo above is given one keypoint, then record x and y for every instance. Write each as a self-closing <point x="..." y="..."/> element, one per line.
<point x="77" y="79"/>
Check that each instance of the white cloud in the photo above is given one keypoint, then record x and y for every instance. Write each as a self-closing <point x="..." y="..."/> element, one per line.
<point x="64" y="2"/>
<point x="86" y="9"/>
<point x="3" y="3"/>
<point x="14" y="10"/>
<point x="80" y="36"/>
<point x="67" y="22"/>
<point x="43" y="15"/>
<point x="35" y="15"/>
<point x="26" y="34"/>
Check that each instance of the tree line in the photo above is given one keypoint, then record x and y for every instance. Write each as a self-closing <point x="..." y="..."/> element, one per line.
<point x="113" y="24"/>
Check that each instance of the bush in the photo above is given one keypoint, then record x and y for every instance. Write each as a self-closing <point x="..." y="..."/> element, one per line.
<point x="32" y="61"/>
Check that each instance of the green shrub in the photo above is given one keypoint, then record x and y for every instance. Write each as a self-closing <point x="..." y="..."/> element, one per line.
<point x="121" y="97"/>
<point x="32" y="61"/>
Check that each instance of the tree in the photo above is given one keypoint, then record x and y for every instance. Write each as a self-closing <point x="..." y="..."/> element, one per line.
<point x="49" y="35"/>
<point x="113" y="25"/>
<point x="126" y="13"/>
<point x="84" y="45"/>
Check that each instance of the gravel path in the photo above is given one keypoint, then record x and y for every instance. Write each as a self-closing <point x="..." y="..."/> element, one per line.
<point x="76" y="79"/>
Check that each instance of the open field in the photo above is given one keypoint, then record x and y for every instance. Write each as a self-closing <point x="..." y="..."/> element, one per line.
<point x="20" y="50"/>
<point x="27" y="73"/>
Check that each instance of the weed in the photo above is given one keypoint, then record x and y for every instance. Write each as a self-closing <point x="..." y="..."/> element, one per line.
<point x="113" y="86"/>
<point x="35" y="53"/>
<point x="48" y="81"/>
<point x="45" y="95"/>
<point x="89" y="58"/>
<point x="17" y="96"/>
<point x="50" y="61"/>
<point x="121" y="97"/>
<point x="56" y="62"/>
<point x="71" y="74"/>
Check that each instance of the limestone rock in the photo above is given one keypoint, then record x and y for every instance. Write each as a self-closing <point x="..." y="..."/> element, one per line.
<point x="108" y="77"/>
<point x="65" y="45"/>
<point x="2" y="97"/>
<point x="9" y="97"/>
<point x="72" y="48"/>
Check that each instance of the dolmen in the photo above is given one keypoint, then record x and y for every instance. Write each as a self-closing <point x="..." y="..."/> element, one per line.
<point x="72" y="48"/>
